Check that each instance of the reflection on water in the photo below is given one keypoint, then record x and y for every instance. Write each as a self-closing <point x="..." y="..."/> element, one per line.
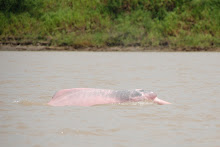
<point x="188" y="80"/>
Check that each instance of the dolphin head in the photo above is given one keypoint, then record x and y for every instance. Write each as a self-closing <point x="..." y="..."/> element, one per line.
<point x="152" y="97"/>
<point x="147" y="95"/>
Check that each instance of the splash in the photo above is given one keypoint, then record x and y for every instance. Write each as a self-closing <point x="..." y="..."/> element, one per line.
<point x="139" y="103"/>
<point x="29" y="103"/>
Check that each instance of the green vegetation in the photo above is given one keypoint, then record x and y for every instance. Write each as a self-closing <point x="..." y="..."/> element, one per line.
<point x="100" y="23"/>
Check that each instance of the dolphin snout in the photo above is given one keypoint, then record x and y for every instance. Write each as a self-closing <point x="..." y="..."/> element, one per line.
<point x="161" y="102"/>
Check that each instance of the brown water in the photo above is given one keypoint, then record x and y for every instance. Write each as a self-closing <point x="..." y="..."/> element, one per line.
<point x="191" y="81"/>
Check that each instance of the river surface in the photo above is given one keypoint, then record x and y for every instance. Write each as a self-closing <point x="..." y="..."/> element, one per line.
<point x="190" y="81"/>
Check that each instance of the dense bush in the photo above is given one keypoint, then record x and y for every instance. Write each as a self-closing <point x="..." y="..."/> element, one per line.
<point x="18" y="6"/>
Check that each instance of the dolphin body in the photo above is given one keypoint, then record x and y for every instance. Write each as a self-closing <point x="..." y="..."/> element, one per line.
<point x="92" y="96"/>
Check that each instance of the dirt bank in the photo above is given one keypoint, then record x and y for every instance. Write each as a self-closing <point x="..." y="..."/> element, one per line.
<point x="10" y="47"/>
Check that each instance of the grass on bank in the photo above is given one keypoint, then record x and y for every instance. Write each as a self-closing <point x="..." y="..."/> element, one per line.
<point x="100" y="23"/>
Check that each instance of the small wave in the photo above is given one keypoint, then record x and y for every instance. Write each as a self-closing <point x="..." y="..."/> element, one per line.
<point x="89" y="132"/>
<point x="67" y="131"/>
<point x="140" y="103"/>
<point x="29" y="103"/>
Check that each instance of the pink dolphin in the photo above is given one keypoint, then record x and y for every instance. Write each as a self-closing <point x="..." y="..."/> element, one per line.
<point x="92" y="96"/>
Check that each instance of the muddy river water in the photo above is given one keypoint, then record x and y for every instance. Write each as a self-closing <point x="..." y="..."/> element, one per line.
<point x="191" y="81"/>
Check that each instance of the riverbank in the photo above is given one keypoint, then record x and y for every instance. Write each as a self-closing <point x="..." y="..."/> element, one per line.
<point x="103" y="49"/>
<point x="82" y="24"/>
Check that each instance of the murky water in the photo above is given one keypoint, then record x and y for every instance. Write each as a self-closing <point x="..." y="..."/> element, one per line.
<point x="191" y="81"/>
